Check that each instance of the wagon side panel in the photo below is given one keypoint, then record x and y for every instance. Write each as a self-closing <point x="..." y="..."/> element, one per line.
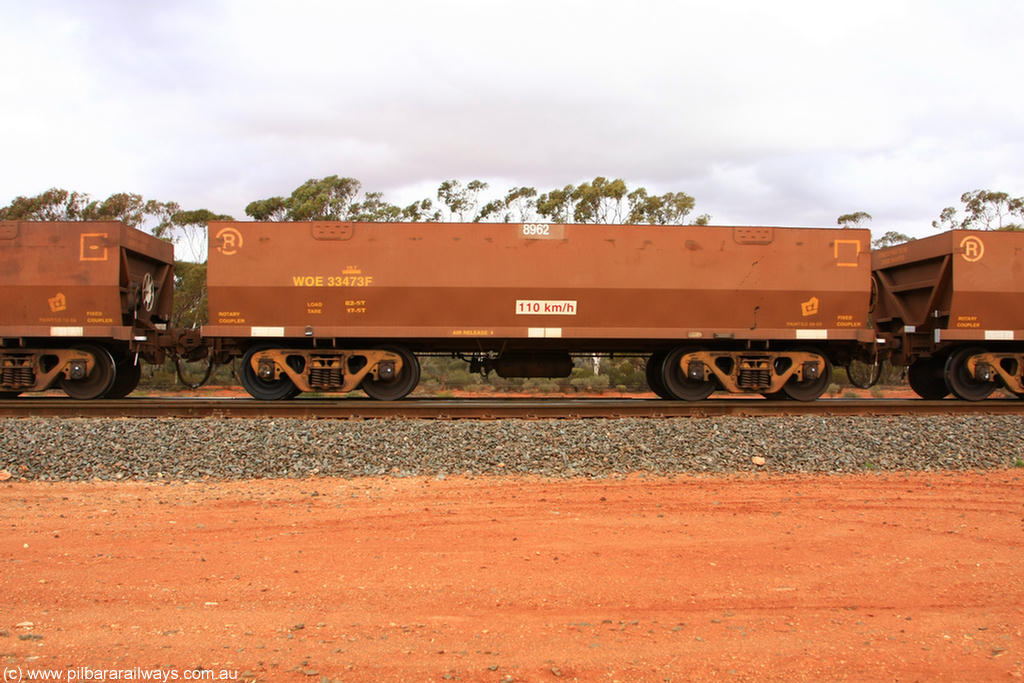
<point x="454" y="282"/>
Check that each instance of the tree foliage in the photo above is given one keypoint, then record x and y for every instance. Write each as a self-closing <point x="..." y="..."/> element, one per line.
<point x="317" y="199"/>
<point x="334" y="198"/>
<point x="190" y="305"/>
<point x="423" y="210"/>
<point x="460" y="199"/>
<point x="57" y="204"/>
<point x="670" y="208"/>
<point x="374" y="208"/>
<point x="270" y="209"/>
<point x="558" y="206"/>
<point x="54" y="204"/>
<point x="853" y="220"/>
<point x="326" y="199"/>
<point x="891" y="238"/>
<point x="611" y="201"/>
<point x="599" y="201"/>
<point x="520" y="203"/>
<point x="983" y="210"/>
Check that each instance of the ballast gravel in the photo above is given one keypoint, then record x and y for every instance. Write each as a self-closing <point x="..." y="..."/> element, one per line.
<point x="50" y="449"/>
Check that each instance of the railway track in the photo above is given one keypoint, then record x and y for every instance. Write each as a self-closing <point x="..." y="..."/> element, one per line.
<point x="490" y="409"/>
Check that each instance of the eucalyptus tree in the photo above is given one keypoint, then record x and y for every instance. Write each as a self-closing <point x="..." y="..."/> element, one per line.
<point x="55" y="204"/>
<point x="853" y="220"/>
<point x="670" y="208"/>
<point x="599" y="201"/>
<point x="891" y="239"/>
<point x="324" y="199"/>
<point x="270" y="209"/>
<point x="422" y="210"/>
<point x="460" y="199"/>
<point x="558" y="206"/>
<point x="374" y="209"/>
<point x="983" y="210"/>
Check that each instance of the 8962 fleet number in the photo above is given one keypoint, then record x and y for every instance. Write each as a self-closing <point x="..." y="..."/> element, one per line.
<point x="541" y="231"/>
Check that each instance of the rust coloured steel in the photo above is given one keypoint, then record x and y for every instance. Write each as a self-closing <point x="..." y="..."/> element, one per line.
<point x="482" y="286"/>
<point x="95" y="280"/>
<point x="951" y="308"/>
<point x="962" y="284"/>
<point x="79" y="302"/>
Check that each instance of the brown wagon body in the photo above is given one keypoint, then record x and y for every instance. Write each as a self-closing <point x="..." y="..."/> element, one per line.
<point x="951" y="306"/>
<point x="521" y="297"/>
<point x="79" y="298"/>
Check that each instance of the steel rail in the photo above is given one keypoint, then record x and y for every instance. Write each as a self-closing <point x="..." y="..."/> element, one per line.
<point x="489" y="409"/>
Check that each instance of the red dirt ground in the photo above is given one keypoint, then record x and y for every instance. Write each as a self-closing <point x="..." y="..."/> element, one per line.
<point x="915" y="577"/>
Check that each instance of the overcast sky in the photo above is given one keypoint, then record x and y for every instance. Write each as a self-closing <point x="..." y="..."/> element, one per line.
<point x="776" y="113"/>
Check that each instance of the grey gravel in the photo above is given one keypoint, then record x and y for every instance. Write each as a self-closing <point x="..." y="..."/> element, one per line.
<point x="61" y="449"/>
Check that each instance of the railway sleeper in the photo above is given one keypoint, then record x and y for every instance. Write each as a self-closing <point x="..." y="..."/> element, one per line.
<point x="339" y="370"/>
<point x="755" y="372"/>
<point x="39" y="369"/>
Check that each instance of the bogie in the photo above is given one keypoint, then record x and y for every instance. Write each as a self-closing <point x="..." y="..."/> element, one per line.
<point x="691" y="373"/>
<point x="272" y="373"/>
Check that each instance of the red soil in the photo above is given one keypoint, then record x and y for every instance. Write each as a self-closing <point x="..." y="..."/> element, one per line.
<point x="916" y="577"/>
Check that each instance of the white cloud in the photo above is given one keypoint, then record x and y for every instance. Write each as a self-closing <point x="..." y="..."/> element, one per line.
<point x="780" y="113"/>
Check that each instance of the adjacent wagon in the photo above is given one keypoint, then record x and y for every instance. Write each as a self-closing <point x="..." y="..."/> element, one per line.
<point x="79" y="302"/>
<point x="951" y="307"/>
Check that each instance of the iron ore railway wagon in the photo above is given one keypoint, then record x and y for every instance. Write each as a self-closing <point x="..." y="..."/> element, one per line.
<point x="951" y="308"/>
<point x="80" y="303"/>
<point x="327" y="306"/>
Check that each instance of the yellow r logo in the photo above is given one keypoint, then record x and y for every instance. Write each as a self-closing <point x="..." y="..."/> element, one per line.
<point x="973" y="248"/>
<point x="230" y="241"/>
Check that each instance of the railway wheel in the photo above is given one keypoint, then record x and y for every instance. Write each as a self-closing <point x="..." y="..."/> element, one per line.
<point x="864" y="375"/>
<point x="678" y="383"/>
<point x="809" y="389"/>
<point x="653" y="371"/>
<point x="128" y="372"/>
<point x="960" y="380"/>
<point x="98" y="382"/>
<point x="926" y="376"/>
<point x="398" y="386"/>
<point x="265" y="389"/>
